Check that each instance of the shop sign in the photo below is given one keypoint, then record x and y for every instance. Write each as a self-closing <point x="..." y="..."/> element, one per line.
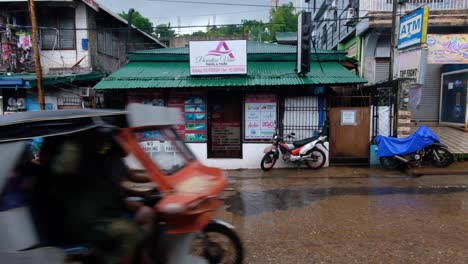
<point x="412" y="65"/>
<point x="413" y="28"/>
<point x="218" y="57"/>
<point x="260" y="116"/>
<point x="447" y="49"/>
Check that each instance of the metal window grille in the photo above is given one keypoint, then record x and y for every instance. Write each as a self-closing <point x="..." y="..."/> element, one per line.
<point x="383" y="105"/>
<point x="301" y="115"/>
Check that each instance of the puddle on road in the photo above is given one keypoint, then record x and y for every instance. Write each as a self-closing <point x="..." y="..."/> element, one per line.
<point x="250" y="203"/>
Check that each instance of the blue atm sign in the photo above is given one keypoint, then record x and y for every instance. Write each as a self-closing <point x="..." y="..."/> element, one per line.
<point x="413" y="28"/>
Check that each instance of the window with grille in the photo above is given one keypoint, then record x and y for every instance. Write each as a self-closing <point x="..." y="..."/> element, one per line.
<point x="108" y="43"/>
<point x="303" y="115"/>
<point x="57" y="29"/>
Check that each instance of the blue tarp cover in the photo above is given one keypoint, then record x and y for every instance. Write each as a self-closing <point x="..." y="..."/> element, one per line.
<point x="389" y="146"/>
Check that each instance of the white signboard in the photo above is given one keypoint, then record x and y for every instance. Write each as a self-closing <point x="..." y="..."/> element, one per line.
<point x="412" y="65"/>
<point x="218" y="57"/>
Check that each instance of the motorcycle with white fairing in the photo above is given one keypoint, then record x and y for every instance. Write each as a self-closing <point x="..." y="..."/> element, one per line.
<point x="308" y="151"/>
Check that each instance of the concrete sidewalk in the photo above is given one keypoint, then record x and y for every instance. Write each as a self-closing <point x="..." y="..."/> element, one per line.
<point x="458" y="168"/>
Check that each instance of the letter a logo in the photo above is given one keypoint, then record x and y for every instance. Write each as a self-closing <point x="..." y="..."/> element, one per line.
<point x="222" y="49"/>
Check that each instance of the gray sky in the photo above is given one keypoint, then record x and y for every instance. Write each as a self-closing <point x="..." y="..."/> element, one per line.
<point x="195" y="14"/>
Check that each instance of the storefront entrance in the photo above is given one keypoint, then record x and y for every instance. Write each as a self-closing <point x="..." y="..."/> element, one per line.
<point x="224" y="125"/>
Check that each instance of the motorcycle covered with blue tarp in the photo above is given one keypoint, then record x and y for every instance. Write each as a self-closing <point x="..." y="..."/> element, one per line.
<point x="421" y="146"/>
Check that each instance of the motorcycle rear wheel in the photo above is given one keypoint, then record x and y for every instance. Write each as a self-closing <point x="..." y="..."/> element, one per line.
<point x="390" y="163"/>
<point x="443" y="158"/>
<point x="268" y="161"/>
<point x="321" y="159"/>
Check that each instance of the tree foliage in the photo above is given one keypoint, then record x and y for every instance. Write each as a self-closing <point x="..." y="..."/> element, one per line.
<point x="283" y="19"/>
<point x="164" y="31"/>
<point x="139" y="21"/>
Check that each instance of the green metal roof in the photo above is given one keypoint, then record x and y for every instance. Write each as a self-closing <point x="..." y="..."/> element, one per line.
<point x="252" y="48"/>
<point x="286" y="36"/>
<point x="31" y="80"/>
<point x="177" y="75"/>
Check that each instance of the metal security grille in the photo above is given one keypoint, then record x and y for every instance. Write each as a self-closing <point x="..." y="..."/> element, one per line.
<point x="71" y="103"/>
<point x="383" y="105"/>
<point x="303" y="115"/>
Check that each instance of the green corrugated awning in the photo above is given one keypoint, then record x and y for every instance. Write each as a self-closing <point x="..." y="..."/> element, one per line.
<point x="30" y="79"/>
<point x="273" y="73"/>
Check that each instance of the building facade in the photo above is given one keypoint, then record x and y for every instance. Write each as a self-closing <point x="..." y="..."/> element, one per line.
<point x="76" y="38"/>
<point x="230" y="119"/>
<point x="362" y="28"/>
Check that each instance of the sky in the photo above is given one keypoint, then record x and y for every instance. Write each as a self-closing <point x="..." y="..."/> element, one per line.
<point x="195" y="14"/>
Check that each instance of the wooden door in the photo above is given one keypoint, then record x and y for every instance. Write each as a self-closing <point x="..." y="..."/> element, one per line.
<point x="224" y="132"/>
<point x="349" y="134"/>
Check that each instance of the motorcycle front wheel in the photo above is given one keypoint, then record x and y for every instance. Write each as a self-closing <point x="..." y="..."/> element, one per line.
<point x="442" y="157"/>
<point x="390" y="163"/>
<point x="318" y="161"/>
<point x="268" y="161"/>
<point x="218" y="244"/>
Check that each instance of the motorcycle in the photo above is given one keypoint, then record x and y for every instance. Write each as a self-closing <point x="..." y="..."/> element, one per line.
<point x="421" y="146"/>
<point x="302" y="151"/>
<point x="185" y="200"/>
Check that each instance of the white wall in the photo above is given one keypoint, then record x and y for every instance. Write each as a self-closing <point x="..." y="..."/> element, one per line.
<point x="67" y="58"/>
<point x="252" y="156"/>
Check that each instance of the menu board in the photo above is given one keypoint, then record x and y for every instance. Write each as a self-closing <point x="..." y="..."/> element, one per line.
<point x="226" y="136"/>
<point x="193" y="109"/>
<point x="260" y="116"/>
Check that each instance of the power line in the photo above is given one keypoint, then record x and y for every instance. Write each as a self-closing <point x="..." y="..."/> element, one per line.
<point x="237" y="4"/>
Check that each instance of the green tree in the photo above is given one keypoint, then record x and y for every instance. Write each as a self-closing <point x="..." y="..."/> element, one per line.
<point x="164" y="30"/>
<point x="139" y="21"/>
<point x="257" y="30"/>
<point x="283" y="18"/>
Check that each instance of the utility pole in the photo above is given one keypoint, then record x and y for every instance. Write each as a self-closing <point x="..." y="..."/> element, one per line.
<point x="129" y="32"/>
<point x="393" y="41"/>
<point x="37" y="59"/>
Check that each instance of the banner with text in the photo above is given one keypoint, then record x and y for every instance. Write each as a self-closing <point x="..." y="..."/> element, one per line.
<point x="448" y="49"/>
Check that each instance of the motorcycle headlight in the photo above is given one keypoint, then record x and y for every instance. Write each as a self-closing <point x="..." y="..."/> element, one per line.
<point x="275" y="139"/>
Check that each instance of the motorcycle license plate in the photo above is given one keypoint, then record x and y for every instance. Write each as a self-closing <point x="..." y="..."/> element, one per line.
<point x="268" y="149"/>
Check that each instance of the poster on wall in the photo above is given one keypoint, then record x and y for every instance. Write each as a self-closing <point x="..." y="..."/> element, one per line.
<point x="260" y="116"/>
<point x="447" y="49"/>
<point x="193" y="109"/>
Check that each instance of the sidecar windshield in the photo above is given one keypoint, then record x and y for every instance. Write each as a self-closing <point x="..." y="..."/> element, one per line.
<point x="165" y="147"/>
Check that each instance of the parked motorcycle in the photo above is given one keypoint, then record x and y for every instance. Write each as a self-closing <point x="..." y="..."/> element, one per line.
<point x="422" y="146"/>
<point x="306" y="150"/>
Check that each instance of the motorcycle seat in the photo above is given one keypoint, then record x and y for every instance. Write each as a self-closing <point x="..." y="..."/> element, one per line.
<point x="302" y="142"/>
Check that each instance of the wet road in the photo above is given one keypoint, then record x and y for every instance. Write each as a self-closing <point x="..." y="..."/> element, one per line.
<point x="343" y="215"/>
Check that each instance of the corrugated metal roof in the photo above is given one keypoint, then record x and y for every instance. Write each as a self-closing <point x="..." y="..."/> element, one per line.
<point x="177" y="75"/>
<point x="252" y="48"/>
<point x="31" y="79"/>
<point x="286" y="36"/>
